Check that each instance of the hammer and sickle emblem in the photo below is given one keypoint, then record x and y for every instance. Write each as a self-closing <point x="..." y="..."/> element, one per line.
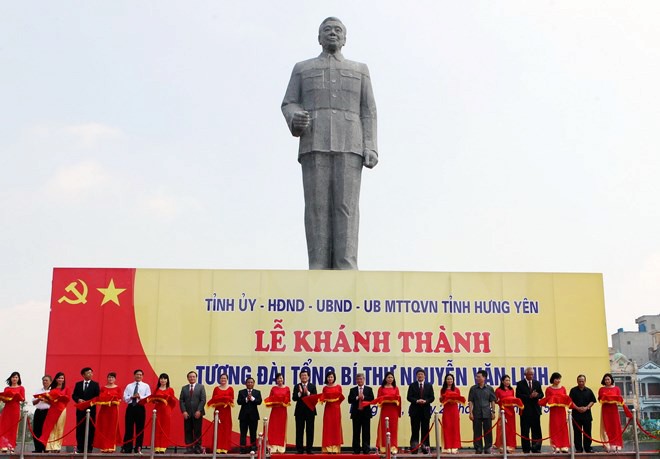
<point x="80" y="297"/>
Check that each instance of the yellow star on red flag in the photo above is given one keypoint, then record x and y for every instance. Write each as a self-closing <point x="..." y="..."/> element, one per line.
<point x="111" y="293"/>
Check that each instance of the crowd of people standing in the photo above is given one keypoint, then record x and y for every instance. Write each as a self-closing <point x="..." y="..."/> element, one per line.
<point x="103" y="402"/>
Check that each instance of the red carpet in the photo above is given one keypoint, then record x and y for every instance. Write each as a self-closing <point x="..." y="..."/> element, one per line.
<point x="323" y="456"/>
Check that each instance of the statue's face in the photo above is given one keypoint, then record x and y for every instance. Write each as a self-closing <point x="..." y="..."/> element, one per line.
<point x="332" y="36"/>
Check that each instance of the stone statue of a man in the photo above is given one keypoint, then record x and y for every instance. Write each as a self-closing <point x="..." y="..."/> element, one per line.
<point x="330" y="105"/>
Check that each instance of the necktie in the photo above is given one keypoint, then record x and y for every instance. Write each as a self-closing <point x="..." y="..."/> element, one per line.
<point x="530" y="386"/>
<point x="135" y="391"/>
<point x="85" y="384"/>
<point x="249" y="393"/>
<point x="192" y="388"/>
<point x="421" y="390"/>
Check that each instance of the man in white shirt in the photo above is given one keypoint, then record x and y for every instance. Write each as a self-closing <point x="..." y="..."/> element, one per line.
<point x="40" y="412"/>
<point x="135" y="413"/>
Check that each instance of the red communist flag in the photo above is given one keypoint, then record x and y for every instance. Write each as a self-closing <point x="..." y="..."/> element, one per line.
<point x="92" y="324"/>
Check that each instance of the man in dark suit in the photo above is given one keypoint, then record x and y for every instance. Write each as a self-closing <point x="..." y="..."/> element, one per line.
<point x="248" y="418"/>
<point x="361" y="417"/>
<point x="191" y="401"/>
<point x="529" y="391"/>
<point x="304" y="416"/>
<point x="420" y="395"/>
<point x="83" y="391"/>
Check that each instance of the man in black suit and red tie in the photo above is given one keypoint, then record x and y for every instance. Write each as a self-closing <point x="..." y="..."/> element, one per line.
<point x="248" y="418"/>
<point x="420" y="395"/>
<point x="304" y="416"/>
<point x="83" y="391"/>
<point x="529" y="391"/>
<point x="360" y="416"/>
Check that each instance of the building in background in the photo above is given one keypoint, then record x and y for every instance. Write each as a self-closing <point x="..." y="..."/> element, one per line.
<point x="642" y="345"/>
<point x="635" y="366"/>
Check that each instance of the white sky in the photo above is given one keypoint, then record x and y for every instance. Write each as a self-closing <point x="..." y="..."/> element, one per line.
<point x="513" y="136"/>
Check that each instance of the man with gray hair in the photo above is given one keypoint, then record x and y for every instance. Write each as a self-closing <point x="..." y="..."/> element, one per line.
<point x="330" y="105"/>
<point x="361" y="415"/>
<point x="529" y="391"/>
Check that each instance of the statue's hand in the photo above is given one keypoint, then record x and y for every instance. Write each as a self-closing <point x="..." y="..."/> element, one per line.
<point x="370" y="159"/>
<point x="301" y="120"/>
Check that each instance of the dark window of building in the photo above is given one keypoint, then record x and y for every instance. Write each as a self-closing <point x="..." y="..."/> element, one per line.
<point x="654" y="389"/>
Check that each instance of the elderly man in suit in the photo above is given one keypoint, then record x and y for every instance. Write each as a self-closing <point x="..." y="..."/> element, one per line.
<point x="83" y="391"/>
<point x="361" y="416"/>
<point x="191" y="402"/>
<point x="330" y="105"/>
<point x="249" y="399"/>
<point x="529" y="391"/>
<point x="421" y="396"/>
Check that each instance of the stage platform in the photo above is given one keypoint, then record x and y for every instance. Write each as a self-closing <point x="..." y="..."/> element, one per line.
<point x="463" y="454"/>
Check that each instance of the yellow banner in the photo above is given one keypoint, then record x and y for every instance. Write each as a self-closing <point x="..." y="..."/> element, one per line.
<point x="258" y="323"/>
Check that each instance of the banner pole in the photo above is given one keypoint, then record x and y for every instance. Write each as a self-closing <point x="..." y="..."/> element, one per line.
<point x="571" y="432"/>
<point x="503" y="446"/>
<point x="25" y="417"/>
<point x="88" y="414"/>
<point x="216" y="419"/>
<point x="387" y="438"/>
<point x="436" y="424"/>
<point x="636" y="438"/>
<point x="153" y="433"/>
<point x="265" y="452"/>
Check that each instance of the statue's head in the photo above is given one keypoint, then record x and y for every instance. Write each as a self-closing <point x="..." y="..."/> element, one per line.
<point x="332" y="34"/>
